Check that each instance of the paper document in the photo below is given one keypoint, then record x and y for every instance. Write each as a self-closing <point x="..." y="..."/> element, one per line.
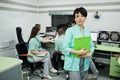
<point x="40" y="55"/>
<point x="82" y="42"/>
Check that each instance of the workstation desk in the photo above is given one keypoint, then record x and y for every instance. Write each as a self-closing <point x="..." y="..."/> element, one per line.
<point x="112" y="53"/>
<point x="10" y="69"/>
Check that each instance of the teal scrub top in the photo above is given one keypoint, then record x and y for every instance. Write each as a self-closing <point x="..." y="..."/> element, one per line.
<point x="34" y="44"/>
<point x="72" y="63"/>
<point x="59" y="44"/>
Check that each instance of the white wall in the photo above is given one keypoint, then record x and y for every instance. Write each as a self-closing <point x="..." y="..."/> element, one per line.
<point x="11" y="19"/>
<point x="33" y="2"/>
<point x="108" y="9"/>
<point x="26" y="13"/>
<point x="11" y="16"/>
<point x="57" y="2"/>
<point x="107" y="21"/>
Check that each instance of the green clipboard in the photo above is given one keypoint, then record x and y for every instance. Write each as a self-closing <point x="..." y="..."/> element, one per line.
<point x="82" y="42"/>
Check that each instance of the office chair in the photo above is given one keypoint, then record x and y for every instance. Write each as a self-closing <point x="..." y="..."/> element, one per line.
<point x="20" y="40"/>
<point x="22" y="52"/>
<point x="19" y="34"/>
<point x="57" y="62"/>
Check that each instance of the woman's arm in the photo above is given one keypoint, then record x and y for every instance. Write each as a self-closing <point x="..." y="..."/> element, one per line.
<point x="81" y="52"/>
<point x="47" y="40"/>
<point x="89" y="54"/>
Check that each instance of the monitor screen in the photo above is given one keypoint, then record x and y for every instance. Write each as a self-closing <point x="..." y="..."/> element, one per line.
<point x="50" y="31"/>
<point x="94" y="36"/>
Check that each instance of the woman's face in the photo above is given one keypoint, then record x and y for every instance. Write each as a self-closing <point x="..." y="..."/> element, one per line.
<point x="79" y="19"/>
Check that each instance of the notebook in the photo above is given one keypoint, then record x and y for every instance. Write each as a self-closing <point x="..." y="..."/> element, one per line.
<point x="40" y="55"/>
<point x="82" y="42"/>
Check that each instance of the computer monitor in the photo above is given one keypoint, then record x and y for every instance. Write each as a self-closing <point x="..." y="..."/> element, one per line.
<point x="94" y="36"/>
<point x="50" y="31"/>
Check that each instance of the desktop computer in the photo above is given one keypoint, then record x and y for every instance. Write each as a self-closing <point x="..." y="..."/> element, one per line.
<point x="50" y="32"/>
<point x="108" y="37"/>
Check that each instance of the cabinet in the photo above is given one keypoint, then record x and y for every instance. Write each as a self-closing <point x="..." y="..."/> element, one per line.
<point x="10" y="69"/>
<point x="110" y="53"/>
<point x="114" y="67"/>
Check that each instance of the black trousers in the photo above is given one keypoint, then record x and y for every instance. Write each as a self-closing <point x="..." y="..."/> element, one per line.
<point x="57" y="62"/>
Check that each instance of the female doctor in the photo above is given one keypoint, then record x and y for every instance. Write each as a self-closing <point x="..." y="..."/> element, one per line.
<point x="77" y="66"/>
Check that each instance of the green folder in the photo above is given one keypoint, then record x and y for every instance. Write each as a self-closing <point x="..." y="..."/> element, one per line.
<point x="82" y="42"/>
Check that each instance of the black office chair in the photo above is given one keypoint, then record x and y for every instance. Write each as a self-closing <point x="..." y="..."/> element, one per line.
<point x="57" y="63"/>
<point x="20" y="40"/>
<point x="19" y="34"/>
<point x="22" y="52"/>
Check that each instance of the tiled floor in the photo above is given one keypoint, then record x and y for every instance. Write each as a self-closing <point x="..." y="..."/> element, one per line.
<point x="62" y="77"/>
<point x="103" y="75"/>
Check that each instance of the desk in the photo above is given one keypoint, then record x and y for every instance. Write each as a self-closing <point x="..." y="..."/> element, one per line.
<point x="10" y="68"/>
<point x="110" y="51"/>
<point x="107" y="48"/>
<point x="119" y="60"/>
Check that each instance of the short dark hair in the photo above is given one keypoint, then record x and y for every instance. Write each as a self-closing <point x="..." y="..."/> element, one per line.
<point x="64" y="26"/>
<point x="81" y="10"/>
<point x="61" y="31"/>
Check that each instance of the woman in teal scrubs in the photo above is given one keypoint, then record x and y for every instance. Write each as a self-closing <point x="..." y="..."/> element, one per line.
<point x="35" y="49"/>
<point x="77" y="66"/>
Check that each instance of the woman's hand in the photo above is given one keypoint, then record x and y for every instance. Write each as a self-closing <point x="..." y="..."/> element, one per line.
<point x="52" y="40"/>
<point x="47" y="40"/>
<point x="86" y="55"/>
<point x="83" y="51"/>
<point x="80" y="52"/>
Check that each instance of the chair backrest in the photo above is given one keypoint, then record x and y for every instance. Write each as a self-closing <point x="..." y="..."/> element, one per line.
<point x="19" y="34"/>
<point x="22" y="49"/>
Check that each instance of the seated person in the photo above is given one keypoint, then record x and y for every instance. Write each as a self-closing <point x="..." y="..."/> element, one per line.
<point x="58" y="48"/>
<point x="34" y="45"/>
